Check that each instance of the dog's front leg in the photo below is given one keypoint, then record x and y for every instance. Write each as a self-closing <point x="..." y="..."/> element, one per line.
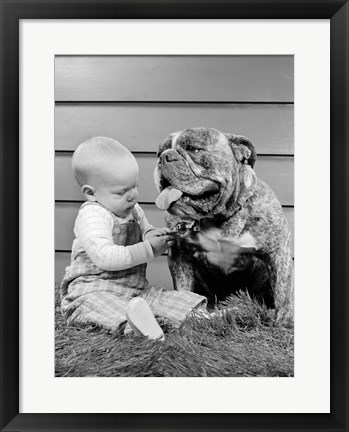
<point x="281" y="264"/>
<point x="181" y="269"/>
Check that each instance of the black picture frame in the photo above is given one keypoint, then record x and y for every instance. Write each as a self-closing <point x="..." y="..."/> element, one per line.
<point x="12" y="11"/>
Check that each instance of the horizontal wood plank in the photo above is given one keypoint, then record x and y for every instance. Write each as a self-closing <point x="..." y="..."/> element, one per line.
<point x="276" y="171"/>
<point x="142" y="127"/>
<point x="174" y="78"/>
<point x="65" y="214"/>
<point x="66" y="187"/>
<point x="158" y="272"/>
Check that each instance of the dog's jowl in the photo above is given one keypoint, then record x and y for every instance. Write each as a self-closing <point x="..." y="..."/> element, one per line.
<point x="235" y="234"/>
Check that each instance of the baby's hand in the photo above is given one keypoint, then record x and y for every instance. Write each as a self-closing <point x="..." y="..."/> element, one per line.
<point x="157" y="232"/>
<point x="160" y="244"/>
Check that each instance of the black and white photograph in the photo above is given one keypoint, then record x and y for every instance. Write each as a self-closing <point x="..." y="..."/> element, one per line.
<point x="174" y="215"/>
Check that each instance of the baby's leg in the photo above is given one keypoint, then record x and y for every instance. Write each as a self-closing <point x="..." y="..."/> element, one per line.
<point x="98" y="302"/>
<point x="173" y="306"/>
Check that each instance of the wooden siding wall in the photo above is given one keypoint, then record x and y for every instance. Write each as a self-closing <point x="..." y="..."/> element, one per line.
<point x="139" y="100"/>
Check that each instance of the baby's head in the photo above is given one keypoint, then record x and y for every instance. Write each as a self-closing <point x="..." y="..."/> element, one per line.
<point x="107" y="173"/>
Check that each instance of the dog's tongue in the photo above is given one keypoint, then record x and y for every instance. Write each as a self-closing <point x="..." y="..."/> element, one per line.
<point x="167" y="197"/>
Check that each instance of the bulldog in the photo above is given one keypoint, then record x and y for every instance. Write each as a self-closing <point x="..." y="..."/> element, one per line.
<point x="230" y="230"/>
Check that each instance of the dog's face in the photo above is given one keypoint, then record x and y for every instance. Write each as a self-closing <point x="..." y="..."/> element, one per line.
<point x="202" y="169"/>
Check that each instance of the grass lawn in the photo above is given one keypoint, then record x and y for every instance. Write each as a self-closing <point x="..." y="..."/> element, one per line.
<point x="244" y="342"/>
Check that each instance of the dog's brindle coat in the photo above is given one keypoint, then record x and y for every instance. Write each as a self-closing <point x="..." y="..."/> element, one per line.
<point x="215" y="172"/>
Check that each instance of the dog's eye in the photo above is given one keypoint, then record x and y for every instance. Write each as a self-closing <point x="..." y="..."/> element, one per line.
<point x="193" y="149"/>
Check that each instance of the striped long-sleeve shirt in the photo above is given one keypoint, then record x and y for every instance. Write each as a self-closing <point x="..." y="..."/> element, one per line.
<point x="93" y="232"/>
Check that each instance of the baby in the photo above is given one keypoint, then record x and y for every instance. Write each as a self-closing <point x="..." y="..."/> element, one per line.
<point x="106" y="283"/>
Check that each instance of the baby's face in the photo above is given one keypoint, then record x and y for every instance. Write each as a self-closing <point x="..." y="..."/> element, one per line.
<point x="116" y="186"/>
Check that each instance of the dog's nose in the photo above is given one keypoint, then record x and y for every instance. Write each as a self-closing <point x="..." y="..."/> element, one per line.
<point x="169" y="156"/>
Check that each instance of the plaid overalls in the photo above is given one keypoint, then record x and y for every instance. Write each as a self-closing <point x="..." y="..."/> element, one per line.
<point x="92" y="295"/>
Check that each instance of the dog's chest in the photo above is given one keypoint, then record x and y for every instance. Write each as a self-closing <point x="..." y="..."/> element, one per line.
<point x="220" y="249"/>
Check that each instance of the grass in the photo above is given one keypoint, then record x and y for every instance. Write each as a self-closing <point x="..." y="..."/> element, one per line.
<point x="244" y="342"/>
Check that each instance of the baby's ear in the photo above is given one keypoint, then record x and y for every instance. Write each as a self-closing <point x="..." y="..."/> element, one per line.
<point x="89" y="192"/>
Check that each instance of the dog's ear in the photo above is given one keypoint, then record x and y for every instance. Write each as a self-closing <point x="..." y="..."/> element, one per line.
<point x="245" y="147"/>
<point x="167" y="144"/>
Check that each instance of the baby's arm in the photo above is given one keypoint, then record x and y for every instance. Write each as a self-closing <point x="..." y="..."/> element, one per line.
<point x="157" y="237"/>
<point x="93" y="230"/>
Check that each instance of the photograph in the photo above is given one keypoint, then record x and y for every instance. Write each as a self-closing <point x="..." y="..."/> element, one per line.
<point x="174" y="216"/>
